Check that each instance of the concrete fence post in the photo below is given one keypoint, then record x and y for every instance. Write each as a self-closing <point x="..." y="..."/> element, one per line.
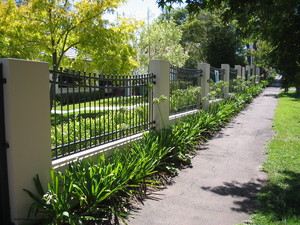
<point x="161" y="111"/>
<point x="258" y="74"/>
<point x="243" y="74"/>
<point x="253" y="71"/>
<point x="239" y="70"/>
<point x="253" y="74"/>
<point x="205" y="67"/>
<point x="27" y="123"/>
<point x="199" y="102"/>
<point x="226" y="67"/>
<point x="248" y="73"/>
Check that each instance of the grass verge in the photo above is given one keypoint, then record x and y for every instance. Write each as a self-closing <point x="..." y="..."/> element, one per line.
<point x="279" y="201"/>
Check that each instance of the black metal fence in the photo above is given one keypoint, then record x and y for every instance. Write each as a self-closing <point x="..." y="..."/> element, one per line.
<point x="185" y="89"/>
<point x="216" y="74"/>
<point x="90" y="109"/>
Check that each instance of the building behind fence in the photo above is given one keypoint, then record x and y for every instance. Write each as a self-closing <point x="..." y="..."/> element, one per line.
<point x="93" y="113"/>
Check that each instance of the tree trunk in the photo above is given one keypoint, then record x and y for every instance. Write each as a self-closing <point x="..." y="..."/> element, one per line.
<point x="54" y="79"/>
<point x="248" y="56"/>
<point x="52" y="90"/>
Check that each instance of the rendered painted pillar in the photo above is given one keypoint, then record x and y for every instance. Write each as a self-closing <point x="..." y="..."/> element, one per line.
<point x="258" y="74"/>
<point x="205" y="67"/>
<point x="243" y="73"/>
<point x="226" y="67"/>
<point x="248" y="73"/>
<point x="239" y="70"/>
<point x="253" y="71"/>
<point x="27" y="122"/>
<point x="161" y="111"/>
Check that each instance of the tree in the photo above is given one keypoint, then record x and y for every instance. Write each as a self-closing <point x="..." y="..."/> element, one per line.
<point x="274" y="21"/>
<point x="160" y="40"/>
<point x="46" y="30"/>
<point x="207" y="39"/>
<point x="223" y="45"/>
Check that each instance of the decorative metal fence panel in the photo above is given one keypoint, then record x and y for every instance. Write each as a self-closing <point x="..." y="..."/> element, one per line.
<point x="90" y="109"/>
<point x="233" y="73"/>
<point x="185" y="89"/>
<point x="216" y="74"/>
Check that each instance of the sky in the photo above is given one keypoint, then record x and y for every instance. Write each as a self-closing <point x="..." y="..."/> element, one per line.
<point x="139" y="9"/>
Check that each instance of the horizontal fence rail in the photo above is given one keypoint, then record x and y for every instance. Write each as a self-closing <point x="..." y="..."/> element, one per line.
<point x="185" y="89"/>
<point x="90" y="109"/>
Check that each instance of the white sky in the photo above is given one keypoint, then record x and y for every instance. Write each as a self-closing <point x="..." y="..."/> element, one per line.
<point x="139" y="9"/>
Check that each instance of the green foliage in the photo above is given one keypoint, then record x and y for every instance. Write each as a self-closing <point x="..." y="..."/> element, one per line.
<point x="237" y="85"/>
<point x="207" y="39"/>
<point x="271" y="78"/>
<point x="160" y="40"/>
<point x="261" y="53"/>
<point x="274" y="21"/>
<point x="47" y="30"/>
<point x="85" y="127"/>
<point x="216" y="90"/>
<point x="55" y="206"/>
<point x="73" y="98"/>
<point x="184" y="99"/>
<point x="224" y="45"/>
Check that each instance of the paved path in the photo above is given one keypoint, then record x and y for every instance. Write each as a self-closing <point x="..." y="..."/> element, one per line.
<point x="221" y="187"/>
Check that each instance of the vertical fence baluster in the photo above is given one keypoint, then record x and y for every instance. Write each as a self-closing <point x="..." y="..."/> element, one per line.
<point x="74" y="111"/>
<point x="101" y="91"/>
<point x="84" y="109"/>
<point x="55" y="116"/>
<point x="95" y="91"/>
<point x="61" y="114"/>
<point x="68" y="108"/>
<point x="109" y="121"/>
<point x="80" y="113"/>
<point x="89" y="99"/>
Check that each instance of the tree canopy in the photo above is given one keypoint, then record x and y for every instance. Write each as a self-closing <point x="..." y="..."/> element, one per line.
<point x="160" y="40"/>
<point x="47" y="30"/>
<point x="275" y="21"/>
<point x="206" y="39"/>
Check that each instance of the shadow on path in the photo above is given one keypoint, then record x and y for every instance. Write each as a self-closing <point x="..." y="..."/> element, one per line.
<point x="246" y="193"/>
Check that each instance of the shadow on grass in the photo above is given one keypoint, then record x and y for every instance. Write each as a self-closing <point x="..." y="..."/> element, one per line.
<point x="294" y="95"/>
<point x="246" y="192"/>
<point x="282" y="201"/>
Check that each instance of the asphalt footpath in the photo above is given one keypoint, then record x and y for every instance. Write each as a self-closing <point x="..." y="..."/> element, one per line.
<point x="222" y="185"/>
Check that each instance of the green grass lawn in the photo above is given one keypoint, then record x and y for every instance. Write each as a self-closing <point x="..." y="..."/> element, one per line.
<point x="279" y="201"/>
